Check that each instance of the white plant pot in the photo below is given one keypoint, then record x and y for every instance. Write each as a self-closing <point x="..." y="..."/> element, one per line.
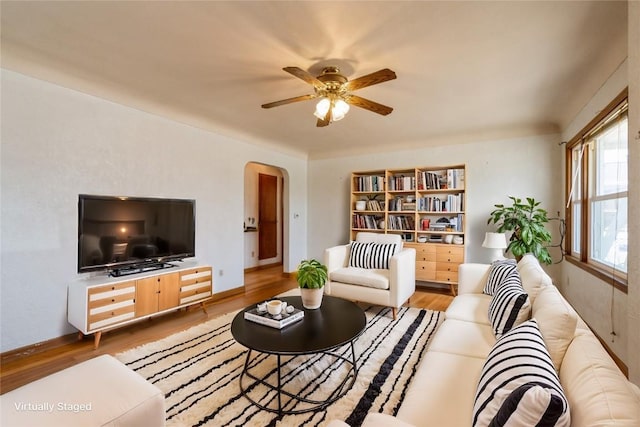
<point x="311" y="298"/>
<point x="361" y="205"/>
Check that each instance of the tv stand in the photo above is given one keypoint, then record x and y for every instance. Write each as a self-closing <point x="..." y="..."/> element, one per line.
<point x="97" y="304"/>
<point x="139" y="268"/>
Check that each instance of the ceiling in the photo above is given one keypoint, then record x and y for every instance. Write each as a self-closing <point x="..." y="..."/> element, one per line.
<point x="467" y="71"/>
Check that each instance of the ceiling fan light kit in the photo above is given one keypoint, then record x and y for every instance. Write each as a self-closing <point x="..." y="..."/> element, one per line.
<point x="339" y="108"/>
<point x="333" y="90"/>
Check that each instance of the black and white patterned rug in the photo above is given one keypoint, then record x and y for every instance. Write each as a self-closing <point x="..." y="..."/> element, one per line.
<point x="198" y="371"/>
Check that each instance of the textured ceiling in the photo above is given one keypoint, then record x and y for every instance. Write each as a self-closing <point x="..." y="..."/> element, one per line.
<point x="466" y="71"/>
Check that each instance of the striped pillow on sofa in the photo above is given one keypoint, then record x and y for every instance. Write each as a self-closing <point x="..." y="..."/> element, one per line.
<point x="519" y="384"/>
<point x="509" y="306"/>
<point x="500" y="270"/>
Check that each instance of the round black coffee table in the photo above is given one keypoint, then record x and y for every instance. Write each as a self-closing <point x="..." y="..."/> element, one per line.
<point x="336" y="323"/>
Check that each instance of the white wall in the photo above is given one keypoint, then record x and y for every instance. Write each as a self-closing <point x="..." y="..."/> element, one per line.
<point x="603" y="307"/>
<point x="525" y="167"/>
<point x="252" y="211"/>
<point x="57" y="143"/>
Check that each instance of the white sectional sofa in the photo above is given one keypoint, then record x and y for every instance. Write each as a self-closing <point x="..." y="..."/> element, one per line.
<point x="443" y="391"/>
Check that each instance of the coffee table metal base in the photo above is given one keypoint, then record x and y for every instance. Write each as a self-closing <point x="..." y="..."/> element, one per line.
<point x="313" y="405"/>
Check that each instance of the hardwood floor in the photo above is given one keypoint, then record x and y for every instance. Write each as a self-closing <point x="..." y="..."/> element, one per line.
<point x="19" y="368"/>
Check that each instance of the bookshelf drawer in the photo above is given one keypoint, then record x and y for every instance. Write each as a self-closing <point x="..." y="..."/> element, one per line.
<point x="425" y="270"/>
<point x="425" y="252"/>
<point x="450" y="250"/>
<point x="447" y="276"/>
<point x="450" y="257"/>
<point x="447" y="266"/>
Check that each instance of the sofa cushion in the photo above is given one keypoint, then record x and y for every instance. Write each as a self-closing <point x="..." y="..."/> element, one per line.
<point x="509" y="306"/>
<point x="499" y="271"/>
<point x="470" y="308"/>
<point x="463" y="338"/>
<point x="369" y="277"/>
<point x="557" y="321"/>
<point x="597" y="391"/>
<point x="518" y="358"/>
<point x="533" y="277"/>
<point x="442" y="392"/>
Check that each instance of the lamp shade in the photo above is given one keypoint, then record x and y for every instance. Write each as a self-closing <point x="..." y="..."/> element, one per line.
<point x="340" y="109"/>
<point x="322" y="107"/>
<point x="494" y="241"/>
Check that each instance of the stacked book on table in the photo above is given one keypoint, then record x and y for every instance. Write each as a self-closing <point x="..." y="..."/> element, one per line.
<point x="278" y="321"/>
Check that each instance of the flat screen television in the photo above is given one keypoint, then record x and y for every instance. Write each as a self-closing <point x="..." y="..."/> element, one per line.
<point x="121" y="234"/>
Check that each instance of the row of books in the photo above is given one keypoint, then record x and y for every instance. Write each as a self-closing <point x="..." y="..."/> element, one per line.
<point x="401" y="222"/>
<point x="402" y="183"/>
<point x="399" y="204"/>
<point x="450" y="203"/>
<point x="370" y="222"/>
<point x="456" y="223"/>
<point x="375" y="205"/>
<point x="440" y="180"/>
<point x="369" y="183"/>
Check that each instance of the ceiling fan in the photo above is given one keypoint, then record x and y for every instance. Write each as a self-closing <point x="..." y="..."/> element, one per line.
<point x="334" y="89"/>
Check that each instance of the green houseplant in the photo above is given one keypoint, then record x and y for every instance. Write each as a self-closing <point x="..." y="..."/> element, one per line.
<point x="527" y="222"/>
<point x="312" y="275"/>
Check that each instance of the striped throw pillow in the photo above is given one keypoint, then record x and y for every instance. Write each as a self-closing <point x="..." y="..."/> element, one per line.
<point x="380" y="254"/>
<point x="498" y="272"/>
<point x="519" y="385"/>
<point x="359" y="255"/>
<point x="509" y="306"/>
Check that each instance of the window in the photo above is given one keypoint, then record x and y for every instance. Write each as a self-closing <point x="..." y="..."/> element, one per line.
<point x="597" y="194"/>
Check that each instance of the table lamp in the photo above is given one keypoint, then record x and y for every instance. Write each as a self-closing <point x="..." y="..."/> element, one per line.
<point x="496" y="242"/>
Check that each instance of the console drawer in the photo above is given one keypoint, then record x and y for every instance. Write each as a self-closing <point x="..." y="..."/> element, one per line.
<point x="195" y="292"/>
<point x="110" y="293"/>
<point x="195" y="285"/>
<point x="195" y="275"/>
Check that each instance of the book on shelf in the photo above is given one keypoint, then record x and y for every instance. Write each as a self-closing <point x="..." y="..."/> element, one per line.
<point x="440" y="180"/>
<point x="278" y="322"/>
<point x="370" y="222"/>
<point x="369" y="183"/>
<point x="402" y="183"/>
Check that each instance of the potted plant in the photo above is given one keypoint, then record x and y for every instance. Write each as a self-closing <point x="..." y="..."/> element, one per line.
<point x="312" y="275"/>
<point x="527" y="222"/>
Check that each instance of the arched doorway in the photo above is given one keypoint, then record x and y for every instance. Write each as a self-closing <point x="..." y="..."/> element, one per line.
<point x="264" y="216"/>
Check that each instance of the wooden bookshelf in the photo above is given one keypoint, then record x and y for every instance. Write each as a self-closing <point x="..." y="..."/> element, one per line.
<point x="425" y="206"/>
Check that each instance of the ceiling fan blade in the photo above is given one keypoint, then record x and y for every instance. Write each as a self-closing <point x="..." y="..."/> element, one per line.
<point x="302" y="74"/>
<point x="380" y="76"/>
<point x="289" y="100"/>
<point x="368" y="105"/>
<point x="322" y="123"/>
<point x="327" y="119"/>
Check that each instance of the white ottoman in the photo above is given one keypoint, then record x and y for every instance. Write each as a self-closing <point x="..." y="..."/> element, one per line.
<point x="99" y="392"/>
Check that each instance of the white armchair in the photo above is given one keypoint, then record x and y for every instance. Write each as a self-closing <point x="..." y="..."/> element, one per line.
<point x="390" y="287"/>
